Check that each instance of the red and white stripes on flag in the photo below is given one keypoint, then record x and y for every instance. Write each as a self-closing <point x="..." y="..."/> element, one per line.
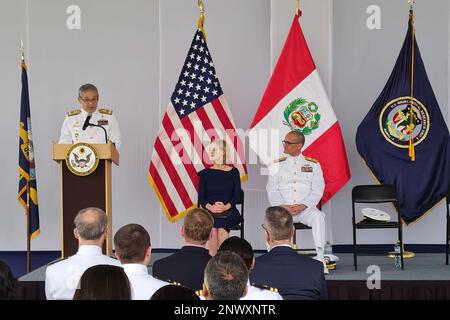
<point x="295" y="99"/>
<point x="197" y="114"/>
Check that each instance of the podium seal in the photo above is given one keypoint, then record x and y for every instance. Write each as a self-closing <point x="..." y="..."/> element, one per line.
<point x="82" y="159"/>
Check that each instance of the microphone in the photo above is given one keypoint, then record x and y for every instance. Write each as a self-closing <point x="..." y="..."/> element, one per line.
<point x="86" y="122"/>
<point x="99" y="126"/>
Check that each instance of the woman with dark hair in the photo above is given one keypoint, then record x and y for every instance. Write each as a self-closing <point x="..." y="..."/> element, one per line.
<point x="7" y="283"/>
<point x="173" y="292"/>
<point x="103" y="282"/>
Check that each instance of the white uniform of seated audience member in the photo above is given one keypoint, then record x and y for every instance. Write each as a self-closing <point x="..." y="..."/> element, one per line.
<point x="91" y="229"/>
<point x="133" y="249"/>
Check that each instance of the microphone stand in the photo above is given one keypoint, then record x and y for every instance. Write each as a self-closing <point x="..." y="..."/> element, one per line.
<point x="97" y="125"/>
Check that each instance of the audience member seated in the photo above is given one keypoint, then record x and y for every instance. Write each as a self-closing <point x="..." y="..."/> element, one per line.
<point x="62" y="277"/>
<point x="103" y="282"/>
<point x="243" y="249"/>
<point x="296" y="277"/>
<point x="173" y="292"/>
<point x="133" y="249"/>
<point x="219" y="191"/>
<point x="7" y="283"/>
<point x="186" y="267"/>
<point x="226" y="277"/>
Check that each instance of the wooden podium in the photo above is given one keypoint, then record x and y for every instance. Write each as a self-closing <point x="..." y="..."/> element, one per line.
<point x="78" y="192"/>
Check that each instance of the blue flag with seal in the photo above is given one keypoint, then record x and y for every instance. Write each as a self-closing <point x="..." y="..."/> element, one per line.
<point x="27" y="195"/>
<point x="404" y="139"/>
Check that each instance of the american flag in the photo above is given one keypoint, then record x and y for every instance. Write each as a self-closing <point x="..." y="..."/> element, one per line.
<point x="197" y="114"/>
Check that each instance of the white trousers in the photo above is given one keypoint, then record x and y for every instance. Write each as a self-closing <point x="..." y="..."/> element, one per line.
<point x="314" y="218"/>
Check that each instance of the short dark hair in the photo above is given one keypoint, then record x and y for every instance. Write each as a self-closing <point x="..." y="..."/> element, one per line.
<point x="198" y="224"/>
<point x="91" y="227"/>
<point x="87" y="87"/>
<point x="226" y="276"/>
<point x="173" y="292"/>
<point x="7" y="283"/>
<point x="239" y="246"/>
<point x="278" y="223"/>
<point x="131" y="243"/>
<point x="103" y="282"/>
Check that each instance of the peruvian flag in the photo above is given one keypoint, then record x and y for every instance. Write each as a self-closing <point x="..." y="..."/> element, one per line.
<point x="295" y="99"/>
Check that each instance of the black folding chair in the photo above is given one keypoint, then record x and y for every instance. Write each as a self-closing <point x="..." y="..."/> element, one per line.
<point x="240" y="226"/>
<point x="375" y="194"/>
<point x="447" y="197"/>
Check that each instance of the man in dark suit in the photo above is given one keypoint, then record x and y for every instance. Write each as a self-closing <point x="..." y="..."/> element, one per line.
<point x="296" y="277"/>
<point x="186" y="267"/>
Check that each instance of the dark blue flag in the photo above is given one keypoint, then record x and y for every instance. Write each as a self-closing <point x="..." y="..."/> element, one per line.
<point x="27" y="173"/>
<point x="421" y="173"/>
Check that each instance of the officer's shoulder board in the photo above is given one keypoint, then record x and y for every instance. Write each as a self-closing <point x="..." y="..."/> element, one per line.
<point x="74" y="112"/>
<point x="199" y="292"/>
<point x="311" y="160"/>
<point x="280" y="160"/>
<point x="264" y="287"/>
<point x="56" y="261"/>
<point x="105" y="111"/>
<point x="168" y="281"/>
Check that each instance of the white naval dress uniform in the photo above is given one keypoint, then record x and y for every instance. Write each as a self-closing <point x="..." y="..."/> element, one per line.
<point x="299" y="180"/>
<point x="61" y="278"/>
<point x="72" y="128"/>
<point x="143" y="285"/>
<point x="255" y="293"/>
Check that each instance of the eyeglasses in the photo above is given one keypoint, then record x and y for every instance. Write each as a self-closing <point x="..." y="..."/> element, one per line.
<point x="89" y="100"/>
<point x="265" y="229"/>
<point x="289" y="143"/>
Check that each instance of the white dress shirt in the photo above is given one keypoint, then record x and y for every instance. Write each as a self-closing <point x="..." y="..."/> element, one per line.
<point x="143" y="285"/>
<point x="62" y="278"/>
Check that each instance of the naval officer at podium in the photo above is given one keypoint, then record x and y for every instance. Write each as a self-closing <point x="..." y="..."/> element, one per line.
<point x="89" y="124"/>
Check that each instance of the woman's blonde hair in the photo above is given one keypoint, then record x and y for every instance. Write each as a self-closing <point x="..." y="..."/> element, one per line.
<point x="222" y="144"/>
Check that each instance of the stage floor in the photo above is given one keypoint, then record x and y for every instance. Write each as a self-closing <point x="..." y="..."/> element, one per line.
<point x="424" y="266"/>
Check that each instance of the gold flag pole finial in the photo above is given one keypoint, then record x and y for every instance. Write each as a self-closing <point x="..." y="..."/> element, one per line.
<point x="201" y="8"/>
<point x="22" y="54"/>
<point x="298" y="12"/>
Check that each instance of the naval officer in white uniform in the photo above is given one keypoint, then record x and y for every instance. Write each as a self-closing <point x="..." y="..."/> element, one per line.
<point x="296" y="183"/>
<point x="61" y="278"/>
<point x="75" y="126"/>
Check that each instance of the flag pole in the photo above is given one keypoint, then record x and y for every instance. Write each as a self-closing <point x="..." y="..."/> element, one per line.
<point x="412" y="153"/>
<point x="201" y="8"/>
<point x="298" y="12"/>
<point x="23" y="65"/>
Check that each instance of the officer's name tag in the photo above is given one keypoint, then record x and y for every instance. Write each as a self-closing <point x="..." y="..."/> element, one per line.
<point x="103" y="122"/>
<point x="306" y="168"/>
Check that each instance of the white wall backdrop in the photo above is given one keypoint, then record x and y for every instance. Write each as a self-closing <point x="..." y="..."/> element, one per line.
<point x="134" y="50"/>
